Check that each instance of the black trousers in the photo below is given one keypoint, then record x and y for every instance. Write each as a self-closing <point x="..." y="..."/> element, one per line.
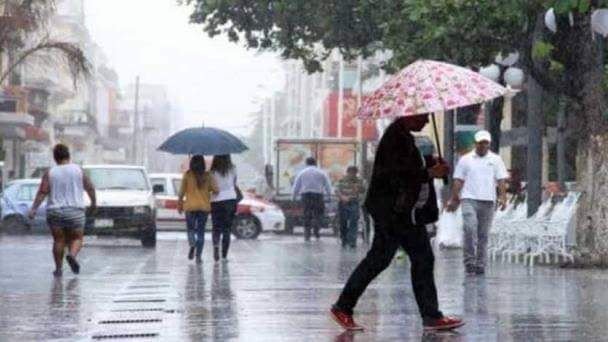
<point x="415" y="242"/>
<point x="222" y="217"/>
<point x="314" y="210"/>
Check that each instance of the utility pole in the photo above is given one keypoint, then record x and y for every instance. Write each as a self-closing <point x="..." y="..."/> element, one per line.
<point x="272" y="127"/>
<point x="363" y="154"/>
<point x="359" y="97"/>
<point x="136" y="124"/>
<point x="340" y="96"/>
<point x="265" y="135"/>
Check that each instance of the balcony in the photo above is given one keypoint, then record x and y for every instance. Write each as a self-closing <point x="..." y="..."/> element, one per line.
<point x="13" y="119"/>
<point x="77" y="124"/>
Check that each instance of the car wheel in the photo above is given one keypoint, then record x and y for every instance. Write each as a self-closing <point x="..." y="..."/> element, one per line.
<point x="246" y="227"/>
<point x="148" y="238"/>
<point x="16" y="224"/>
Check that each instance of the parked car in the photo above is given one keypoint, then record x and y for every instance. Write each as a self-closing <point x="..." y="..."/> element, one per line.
<point x="15" y="203"/>
<point x="165" y="187"/>
<point x="253" y="215"/>
<point x="125" y="203"/>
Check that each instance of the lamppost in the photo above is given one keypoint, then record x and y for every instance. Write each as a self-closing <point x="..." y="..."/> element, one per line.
<point x="503" y="72"/>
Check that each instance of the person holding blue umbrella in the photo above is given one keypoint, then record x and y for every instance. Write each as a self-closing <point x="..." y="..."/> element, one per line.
<point x="195" y="200"/>
<point x="223" y="204"/>
<point x="203" y="187"/>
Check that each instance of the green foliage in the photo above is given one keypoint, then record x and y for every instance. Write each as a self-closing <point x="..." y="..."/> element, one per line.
<point x="565" y="6"/>
<point x="464" y="32"/>
<point x="302" y="29"/>
<point x="468" y="32"/>
<point x="542" y="50"/>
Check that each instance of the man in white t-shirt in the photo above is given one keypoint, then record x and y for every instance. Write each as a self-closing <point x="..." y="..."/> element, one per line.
<point x="477" y="175"/>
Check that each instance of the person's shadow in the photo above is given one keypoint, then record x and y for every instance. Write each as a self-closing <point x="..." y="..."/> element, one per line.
<point x="64" y="308"/>
<point x="444" y="336"/>
<point x="223" y="305"/>
<point x="196" y="305"/>
<point x="475" y="297"/>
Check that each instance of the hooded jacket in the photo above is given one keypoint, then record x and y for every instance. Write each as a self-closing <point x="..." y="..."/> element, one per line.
<point x="401" y="192"/>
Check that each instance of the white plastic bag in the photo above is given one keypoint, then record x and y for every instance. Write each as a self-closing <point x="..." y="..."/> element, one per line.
<point x="450" y="231"/>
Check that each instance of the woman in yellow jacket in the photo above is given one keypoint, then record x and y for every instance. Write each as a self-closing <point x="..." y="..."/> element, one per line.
<point x="194" y="199"/>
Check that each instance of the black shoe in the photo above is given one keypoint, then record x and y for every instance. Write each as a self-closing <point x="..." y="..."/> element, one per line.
<point x="480" y="270"/>
<point x="73" y="264"/>
<point x="199" y="259"/>
<point x="191" y="253"/>
<point x="57" y="273"/>
<point x="216" y="254"/>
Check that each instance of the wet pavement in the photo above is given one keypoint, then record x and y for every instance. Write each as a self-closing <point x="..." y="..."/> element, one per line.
<point x="277" y="288"/>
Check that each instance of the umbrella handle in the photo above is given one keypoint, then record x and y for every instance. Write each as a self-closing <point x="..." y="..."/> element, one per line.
<point x="445" y="179"/>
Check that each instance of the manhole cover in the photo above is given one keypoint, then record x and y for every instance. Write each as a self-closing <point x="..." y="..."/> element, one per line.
<point x="131" y="321"/>
<point x="155" y="272"/>
<point x="147" y="286"/>
<point x="142" y="293"/>
<point x="139" y="301"/>
<point x="117" y="336"/>
<point x="140" y="310"/>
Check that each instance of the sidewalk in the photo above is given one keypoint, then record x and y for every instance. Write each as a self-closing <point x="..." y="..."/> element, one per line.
<point x="278" y="289"/>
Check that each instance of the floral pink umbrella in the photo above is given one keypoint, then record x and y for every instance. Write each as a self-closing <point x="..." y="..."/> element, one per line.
<point x="427" y="86"/>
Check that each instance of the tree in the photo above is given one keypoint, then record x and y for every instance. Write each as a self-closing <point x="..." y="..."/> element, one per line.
<point x="568" y="63"/>
<point x="22" y="36"/>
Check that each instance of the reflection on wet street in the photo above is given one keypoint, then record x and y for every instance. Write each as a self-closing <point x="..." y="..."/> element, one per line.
<point x="277" y="288"/>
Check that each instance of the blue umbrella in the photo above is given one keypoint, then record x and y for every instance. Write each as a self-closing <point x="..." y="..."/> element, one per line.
<point x="203" y="140"/>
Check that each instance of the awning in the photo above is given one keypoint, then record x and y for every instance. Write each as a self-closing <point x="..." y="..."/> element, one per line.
<point x="15" y="119"/>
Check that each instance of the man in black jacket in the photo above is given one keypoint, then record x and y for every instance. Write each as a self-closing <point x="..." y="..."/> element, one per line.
<point x="401" y="200"/>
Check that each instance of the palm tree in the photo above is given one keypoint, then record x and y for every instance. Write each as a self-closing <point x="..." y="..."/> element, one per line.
<point x="22" y="27"/>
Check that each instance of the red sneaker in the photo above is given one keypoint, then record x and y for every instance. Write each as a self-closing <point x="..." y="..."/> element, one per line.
<point x="345" y="320"/>
<point x="443" y="323"/>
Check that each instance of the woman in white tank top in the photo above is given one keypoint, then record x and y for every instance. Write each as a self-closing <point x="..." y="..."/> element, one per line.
<point x="64" y="185"/>
<point x="223" y="204"/>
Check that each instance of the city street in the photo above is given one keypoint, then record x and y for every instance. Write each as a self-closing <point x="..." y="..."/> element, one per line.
<point x="277" y="288"/>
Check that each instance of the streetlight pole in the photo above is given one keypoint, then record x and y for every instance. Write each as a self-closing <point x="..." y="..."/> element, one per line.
<point x="265" y="112"/>
<point x="340" y="96"/>
<point x="136" y="123"/>
<point x="272" y="126"/>
<point x="363" y="154"/>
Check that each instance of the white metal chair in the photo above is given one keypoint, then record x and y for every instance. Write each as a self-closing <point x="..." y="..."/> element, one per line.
<point x="522" y="233"/>
<point x="551" y="234"/>
<point x="504" y="229"/>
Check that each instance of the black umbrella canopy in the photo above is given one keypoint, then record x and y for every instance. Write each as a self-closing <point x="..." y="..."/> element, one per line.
<point x="203" y="140"/>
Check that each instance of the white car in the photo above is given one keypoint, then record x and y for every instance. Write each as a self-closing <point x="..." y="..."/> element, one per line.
<point x="125" y="202"/>
<point x="165" y="187"/>
<point x="253" y="214"/>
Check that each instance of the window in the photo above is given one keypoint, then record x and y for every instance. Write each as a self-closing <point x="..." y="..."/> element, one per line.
<point x="159" y="182"/>
<point x="118" y="179"/>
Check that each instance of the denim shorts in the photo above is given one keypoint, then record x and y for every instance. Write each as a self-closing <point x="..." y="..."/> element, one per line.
<point x="66" y="218"/>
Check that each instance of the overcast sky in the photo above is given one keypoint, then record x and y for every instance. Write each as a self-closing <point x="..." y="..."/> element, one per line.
<point x="212" y="80"/>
